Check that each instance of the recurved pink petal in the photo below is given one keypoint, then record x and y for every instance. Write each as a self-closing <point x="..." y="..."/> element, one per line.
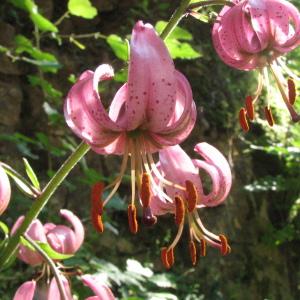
<point x="178" y="167"/>
<point x="35" y="232"/>
<point x="53" y="292"/>
<point x="25" y="291"/>
<point x="217" y="167"/>
<point x="102" y="291"/>
<point x="151" y="80"/>
<point x="62" y="238"/>
<point x="84" y="111"/>
<point x="5" y="191"/>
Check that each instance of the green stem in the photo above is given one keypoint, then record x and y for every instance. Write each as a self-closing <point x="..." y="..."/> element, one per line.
<point x="175" y="19"/>
<point x="42" y="200"/>
<point x="50" y="262"/>
<point x="210" y="3"/>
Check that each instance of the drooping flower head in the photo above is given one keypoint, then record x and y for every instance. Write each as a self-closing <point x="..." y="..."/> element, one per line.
<point x="61" y="238"/>
<point x="254" y="35"/>
<point x="154" y="109"/>
<point x="183" y="194"/>
<point x="5" y="191"/>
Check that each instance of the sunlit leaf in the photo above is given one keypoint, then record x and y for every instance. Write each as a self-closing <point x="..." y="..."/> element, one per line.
<point x="119" y="46"/>
<point x="181" y="50"/>
<point x="82" y="8"/>
<point x="31" y="174"/>
<point x="178" y="33"/>
<point x="52" y="253"/>
<point x="42" y="23"/>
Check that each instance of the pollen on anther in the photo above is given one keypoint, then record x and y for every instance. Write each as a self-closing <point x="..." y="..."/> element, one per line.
<point x="132" y="221"/>
<point x="97" y="222"/>
<point x="193" y="252"/>
<point x="170" y="257"/>
<point x="192" y="195"/>
<point x="225" y="249"/>
<point x="243" y="119"/>
<point x="179" y="210"/>
<point x="249" y="107"/>
<point x="96" y="200"/>
<point x="269" y="116"/>
<point x="202" y="247"/>
<point x="292" y="91"/>
<point x="164" y="257"/>
<point x="145" y="194"/>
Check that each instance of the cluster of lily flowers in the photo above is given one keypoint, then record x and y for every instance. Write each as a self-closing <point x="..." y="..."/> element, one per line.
<point x="148" y="118"/>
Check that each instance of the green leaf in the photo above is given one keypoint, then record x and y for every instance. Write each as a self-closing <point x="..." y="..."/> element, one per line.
<point x="119" y="46"/>
<point x="52" y="253"/>
<point x="3" y="49"/>
<point x="121" y="76"/>
<point x="82" y="8"/>
<point x="31" y="175"/>
<point x="25" y="243"/>
<point x="4" y="228"/>
<point x="181" y="50"/>
<point x="42" y="23"/>
<point x="47" y="61"/>
<point x="178" y="33"/>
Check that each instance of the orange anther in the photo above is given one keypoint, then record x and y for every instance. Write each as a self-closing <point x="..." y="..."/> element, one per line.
<point x="145" y="190"/>
<point x="193" y="252"/>
<point x="292" y="91"/>
<point x="132" y="221"/>
<point x="243" y="119"/>
<point x="97" y="222"/>
<point x="202" y="247"/>
<point x="164" y="257"/>
<point x="249" y="107"/>
<point x="225" y="249"/>
<point x="170" y="257"/>
<point x="192" y="195"/>
<point x="269" y="116"/>
<point x="96" y="195"/>
<point x="179" y="210"/>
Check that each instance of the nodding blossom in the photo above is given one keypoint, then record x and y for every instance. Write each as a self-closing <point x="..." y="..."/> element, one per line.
<point x="5" y="191"/>
<point x="61" y="238"/>
<point x="183" y="194"/>
<point x="154" y="109"/>
<point x="254" y="35"/>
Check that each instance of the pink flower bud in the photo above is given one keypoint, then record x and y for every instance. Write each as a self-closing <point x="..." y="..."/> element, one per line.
<point x="5" y="191"/>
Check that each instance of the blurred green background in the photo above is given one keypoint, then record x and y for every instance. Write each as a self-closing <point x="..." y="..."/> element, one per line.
<point x="44" y="46"/>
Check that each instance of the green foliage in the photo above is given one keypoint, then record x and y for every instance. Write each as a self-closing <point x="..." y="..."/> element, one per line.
<point x="119" y="46"/>
<point x="178" y="42"/>
<point x="31" y="175"/>
<point x="46" y="61"/>
<point x="41" y="22"/>
<point x="82" y="8"/>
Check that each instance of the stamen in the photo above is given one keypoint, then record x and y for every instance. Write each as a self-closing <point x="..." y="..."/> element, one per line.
<point x="249" y="107"/>
<point x="179" y="210"/>
<point x="202" y="247"/>
<point x="133" y="169"/>
<point x="145" y="194"/>
<point x="132" y="221"/>
<point x="292" y="91"/>
<point x="193" y="252"/>
<point x="269" y="116"/>
<point x="170" y="256"/>
<point x="243" y="119"/>
<point x="97" y="207"/>
<point x="192" y="195"/>
<point x="225" y="249"/>
<point x="164" y="257"/>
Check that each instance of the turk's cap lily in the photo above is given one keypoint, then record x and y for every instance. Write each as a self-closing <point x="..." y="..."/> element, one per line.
<point x="61" y="238"/>
<point x="156" y="103"/>
<point x="5" y="190"/>
<point x="178" y="167"/>
<point x="29" y="290"/>
<point x="252" y="33"/>
<point x="102" y="291"/>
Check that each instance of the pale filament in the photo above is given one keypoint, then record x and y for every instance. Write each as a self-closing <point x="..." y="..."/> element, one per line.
<point x="287" y="70"/>
<point x="293" y="113"/>
<point x="259" y="87"/>
<point x="132" y="171"/>
<point x="178" y="235"/>
<point x="212" y="242"/>
<point x="160" y="176"/>
<point x="118" y="180"/>
<point x="267" y="83"/>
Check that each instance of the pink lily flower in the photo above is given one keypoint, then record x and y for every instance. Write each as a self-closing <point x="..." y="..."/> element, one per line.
<point x="60" y="237"/>
<point x="5" y="191"/>
<point x="29" y="290"/>
<point x="154" y="109"/>
<point x="102" y="292"/>
<point x="184" y="194"/>
<point x="255" y="34"/>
